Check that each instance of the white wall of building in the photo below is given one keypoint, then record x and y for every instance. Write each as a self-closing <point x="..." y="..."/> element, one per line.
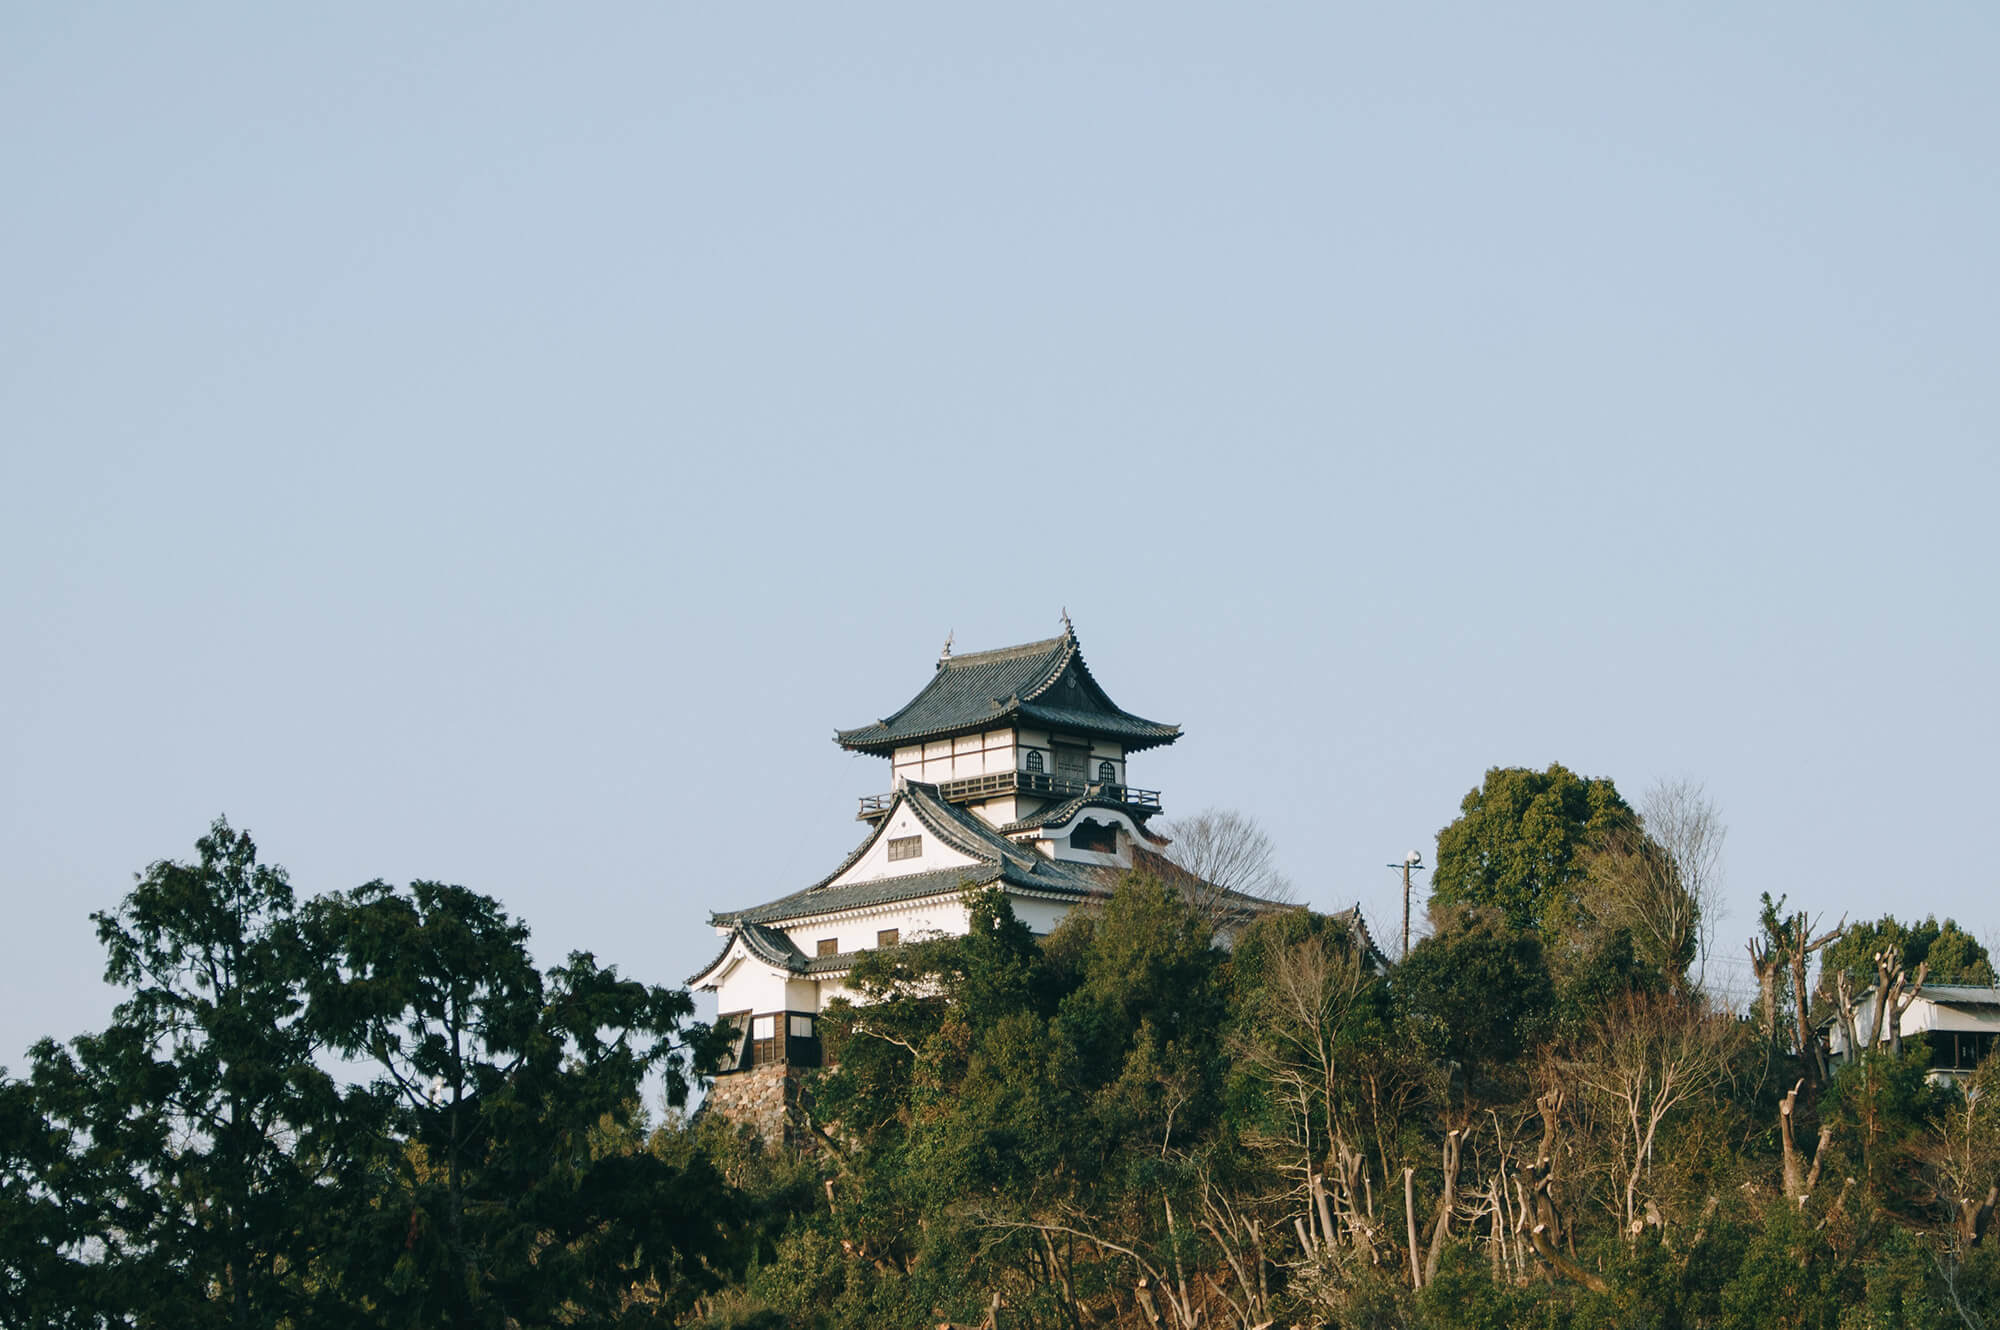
<point x="748" y="984"/>
<point x="876" y="864"/>
<point x="955" y="759"/>
<point x="857" y="930"/>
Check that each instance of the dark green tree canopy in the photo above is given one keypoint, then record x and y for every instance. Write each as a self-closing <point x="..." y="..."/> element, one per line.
<point x="1954" y="955"/>
<point x="1519" y="842"/>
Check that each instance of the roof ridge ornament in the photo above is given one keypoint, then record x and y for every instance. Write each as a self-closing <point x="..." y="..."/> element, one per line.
<point x="1069" y="629"/>
<point x="945" y="654"/>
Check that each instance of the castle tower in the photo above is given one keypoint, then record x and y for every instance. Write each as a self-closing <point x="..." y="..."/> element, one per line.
<point x="1028" y="740"/>
<point x="1008" y="769"/>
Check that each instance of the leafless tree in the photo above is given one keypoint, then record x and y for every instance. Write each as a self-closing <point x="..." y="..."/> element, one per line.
<point x="1661" y="880"/>
<point x="1223" y="851"/>
<point x="1309" y="994"/>
<point x="1640" y="1061"/>
<point x="1685" y="823"/>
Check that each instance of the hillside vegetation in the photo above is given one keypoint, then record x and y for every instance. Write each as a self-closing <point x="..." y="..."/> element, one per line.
<point x="372" y="1108"/>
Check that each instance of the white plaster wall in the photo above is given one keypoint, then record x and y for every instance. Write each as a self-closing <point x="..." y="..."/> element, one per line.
<point x="1055" y="840"/>
<point x="775" y="992"/>
<point x="751" y="986"/>
<point x="876" y="864"/>
<point x="1041" y="916"/>
<point x="1919" y="1017"/>
<point x="857" y="932"/>
<point x="1928" y="1016"/>
<point x="996" y="812"/>
<point x="956" y="758"/>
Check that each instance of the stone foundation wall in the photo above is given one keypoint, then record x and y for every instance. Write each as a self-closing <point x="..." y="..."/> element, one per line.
<point x="763" y="1098"/>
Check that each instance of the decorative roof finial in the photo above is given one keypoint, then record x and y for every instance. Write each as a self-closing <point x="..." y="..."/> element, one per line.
<point x="1069" y="629"/>
<point x="945" y="654"/>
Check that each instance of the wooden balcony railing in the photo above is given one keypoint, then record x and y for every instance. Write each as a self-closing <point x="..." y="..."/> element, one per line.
<point x="996" y="784"/>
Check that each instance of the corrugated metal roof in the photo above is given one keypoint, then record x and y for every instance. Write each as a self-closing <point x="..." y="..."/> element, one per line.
<point x="1961" y="995"/>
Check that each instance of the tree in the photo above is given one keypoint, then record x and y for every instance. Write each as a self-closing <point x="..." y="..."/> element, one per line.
<point x="1641" y="1060"/>
<point x="1520" y="843"/>
<point x="1476" y="991"/>
<point x="1660" y="878"/>
<point x="520" y="1191"/>
<point x="1953" y="955"/>
<point x="201" y="1154"/>
<point x="1223" y="851"/>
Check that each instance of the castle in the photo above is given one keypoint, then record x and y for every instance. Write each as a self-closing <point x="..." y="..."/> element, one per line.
<point x="1009" y="771"/>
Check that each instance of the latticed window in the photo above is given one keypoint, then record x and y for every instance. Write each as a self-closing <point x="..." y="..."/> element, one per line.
<point x="888" y="937"/>
<point x="828" y="946"/>
<point x="1107" y="773"/>
<point x="1034" y="762"/>
<point x="906" y="847"/>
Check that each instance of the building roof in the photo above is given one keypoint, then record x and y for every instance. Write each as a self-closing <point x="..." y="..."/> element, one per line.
<point x="1043" y="683"/>
<point x="1057" y="814"/>
<point x="1370" y="953"/>
<point x="1959" y="995"/>
<point x="998" y="862"/>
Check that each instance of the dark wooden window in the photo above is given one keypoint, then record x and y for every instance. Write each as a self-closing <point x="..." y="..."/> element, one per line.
<point x="738" y="1023"/>
<point x="764" y="1038"/>
<point x="1034" y="761"/>
<point x="1107" y="773"/>
<point x="829" y="946"/>
<point x="802" y="1046"/>
<point x="1955" y="1050"/>
<point x="1095" y="837"/>
<point x="906" y="847"/>
<point x="1073" y="762"/>
<point x="888" y="937"/>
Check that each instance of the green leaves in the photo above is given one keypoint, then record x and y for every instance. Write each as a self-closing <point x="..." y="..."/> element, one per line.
<point x="196" y="1164"/>
<point x="508" y="1083"/>
<point x="1518" y="843"/>
<point x="197" y="1142"/>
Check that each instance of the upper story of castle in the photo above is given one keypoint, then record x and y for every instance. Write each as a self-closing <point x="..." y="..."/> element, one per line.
<point x="1025" y="738"/>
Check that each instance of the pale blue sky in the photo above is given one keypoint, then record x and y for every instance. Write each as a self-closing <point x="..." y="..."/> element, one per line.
<point x="502" y="444"/>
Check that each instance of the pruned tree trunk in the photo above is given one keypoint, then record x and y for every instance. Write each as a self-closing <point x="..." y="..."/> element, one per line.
<point x="1899" y="1002"/>
<point x="1410" y="1218"/>
<point x="1843" y="993"/>
<point x="1546" y="1248"/>
<point x="1819" y="1156"/>
<point x="1441" y="1227"/>
<point x="1975" y="1219"/>
<point x="1795" y="1169"/>
<point x="1766" y="966"/>
<point x="1803" y="946"/>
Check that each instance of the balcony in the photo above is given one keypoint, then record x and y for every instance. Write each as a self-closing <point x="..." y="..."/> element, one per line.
<point x="1037" y="784"/>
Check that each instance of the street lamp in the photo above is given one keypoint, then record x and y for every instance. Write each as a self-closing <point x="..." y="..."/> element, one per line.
<point x="1412" y="862"/>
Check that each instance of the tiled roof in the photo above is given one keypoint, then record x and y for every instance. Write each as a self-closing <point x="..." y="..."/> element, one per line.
<point x="766" y="944"/>
<point x="999" y="860"/>
<point x="1370" y="953"/>
<point x="858" y="895"/>
<point x="838" y="963"/>
<point x="1057" y="814"/>
<point x="1045" y="682"/>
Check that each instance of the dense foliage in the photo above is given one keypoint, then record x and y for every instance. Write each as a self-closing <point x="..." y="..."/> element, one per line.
<point x="1120" y="1124"/>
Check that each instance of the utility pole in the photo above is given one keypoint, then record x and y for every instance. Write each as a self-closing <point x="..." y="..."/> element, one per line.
<point x="1412" y="860"/>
